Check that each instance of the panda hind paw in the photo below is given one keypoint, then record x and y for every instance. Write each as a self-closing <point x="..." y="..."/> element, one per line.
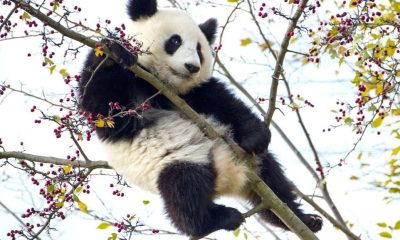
<point x="227" y="218"/>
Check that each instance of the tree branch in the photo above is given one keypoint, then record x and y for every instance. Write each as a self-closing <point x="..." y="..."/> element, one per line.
<point x="279" y="60"/>
<point x="54" y="160"/>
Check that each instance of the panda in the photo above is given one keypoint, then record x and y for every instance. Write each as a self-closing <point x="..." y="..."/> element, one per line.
<point x="159" y="149"/>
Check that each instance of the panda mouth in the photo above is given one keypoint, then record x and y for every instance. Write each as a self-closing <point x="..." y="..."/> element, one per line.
<point x="179" y="74"/>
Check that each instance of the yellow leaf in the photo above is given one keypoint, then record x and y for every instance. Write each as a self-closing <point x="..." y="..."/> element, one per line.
<point x="341" y="50"/>
<point x="390" y="47"/>
<point x="264" y="46"/>
<point x="245" y="42"/>
<point x="398" y="74"/>
<point x="64" y="72"/>
<point x="359" y="156"/>
<point x="98" y="51"/>
<point x="100" y="123"/>
<point x="25" y="16"/>
<point x="103" y="225"/>
<point x="232" y="1"/>
<point x="293" y="40"/>
<point x="79" y="137"/>
<point x="354" y="178"/>
<point x="395" y="112"/>
<point x="353" y="3"/>
<point x="377" y="122"/>
<point x="379" y="89"/>
<point x="82" y="206"/>
<point x="385" y="235"/>
<point x="67" y="169"/>
<point x="395" y="151"/>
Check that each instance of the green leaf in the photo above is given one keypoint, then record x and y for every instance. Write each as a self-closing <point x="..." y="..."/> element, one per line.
<point x="103" y="225"/>
<point x="236" y="232"/>
<point x="52" y="68"/>
<point x="145" y="202"/>
<point x="385" y="234"/>
<point x="348" y="120"/>
<point x="397" y="225"/>
<point x="232" y="1"/>
<point x="50" y="188"/>
<point x="113" y="236"/>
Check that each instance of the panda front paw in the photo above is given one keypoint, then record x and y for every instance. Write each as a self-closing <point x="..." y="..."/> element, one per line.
<point x="121" y="53"/>
<point x="314" y="222"/>
<point x="254" y="137"/>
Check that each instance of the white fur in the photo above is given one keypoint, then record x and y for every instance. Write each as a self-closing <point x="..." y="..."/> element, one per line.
<point x="173" y="139"/>
<point x="155" y="30"/>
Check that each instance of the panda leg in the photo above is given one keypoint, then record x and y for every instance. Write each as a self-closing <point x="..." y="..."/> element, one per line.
<point x="273" y="176"/>
<point x="187" y="190"/>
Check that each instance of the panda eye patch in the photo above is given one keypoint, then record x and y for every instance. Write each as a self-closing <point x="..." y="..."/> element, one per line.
<point x="172" y="44"/>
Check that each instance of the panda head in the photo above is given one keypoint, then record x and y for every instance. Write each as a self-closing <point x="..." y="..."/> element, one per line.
<point x="179" y="49"/>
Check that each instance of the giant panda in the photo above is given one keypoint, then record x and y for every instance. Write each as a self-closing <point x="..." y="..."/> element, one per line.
<point x="160" y="149"/>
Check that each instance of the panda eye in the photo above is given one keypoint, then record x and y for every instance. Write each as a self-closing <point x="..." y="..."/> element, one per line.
<point x="176" y="40"/>
<point x="172" y="44"/>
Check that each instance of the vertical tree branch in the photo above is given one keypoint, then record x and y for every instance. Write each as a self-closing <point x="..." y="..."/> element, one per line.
<point x="279" y="61"/>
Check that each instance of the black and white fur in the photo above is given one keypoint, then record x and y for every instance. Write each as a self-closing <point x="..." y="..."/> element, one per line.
<point x="162" y="151"/>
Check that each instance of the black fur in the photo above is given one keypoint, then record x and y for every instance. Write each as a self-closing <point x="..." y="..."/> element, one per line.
<point x="187" y="190"/>
<point x="272" y="174"/>
<point x="198" y="49"/>
<point x="141" y="8"/>
<point x="209" y="28"/>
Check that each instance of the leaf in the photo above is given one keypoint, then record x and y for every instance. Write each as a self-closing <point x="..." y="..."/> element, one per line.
<point x="353" y="178"/>
<point x="397" y="225"/>
<point x="64" y="72"/>
<point x="100" y="123"/>
<point x="236" y="232"/>
<point x="25" y="16"/>
<point x="67" y="169"/>
<point x="103" y="225"/>
<point x="145" y="202"/>
<point x="232" y="1"/>
<point x="245" y="42"/>
<point x="385" y="234"/>
<point x="113" y="236"/>
<point x="52" y="68"/>
<point x="395" y="112"/>
<point x="377" y="122"/>
<point x="395" y="151"/>
<point x="59" y="204"/>
<point x="359" y="156"/>
<point x="382" y="224"/>
<point x="348" y="120"/>
<point x="98" y="51"/>
<point x="82" y="206"/>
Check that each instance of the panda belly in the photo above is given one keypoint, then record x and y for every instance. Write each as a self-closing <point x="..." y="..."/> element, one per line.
<point x="174" y="139"/>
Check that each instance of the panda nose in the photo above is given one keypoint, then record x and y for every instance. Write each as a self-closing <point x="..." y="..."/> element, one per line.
<point x="192" y="68"/>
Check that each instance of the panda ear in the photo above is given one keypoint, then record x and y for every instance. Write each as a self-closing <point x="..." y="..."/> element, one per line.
<point x="209" y="28"/>
<point x="141" y="8"/>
